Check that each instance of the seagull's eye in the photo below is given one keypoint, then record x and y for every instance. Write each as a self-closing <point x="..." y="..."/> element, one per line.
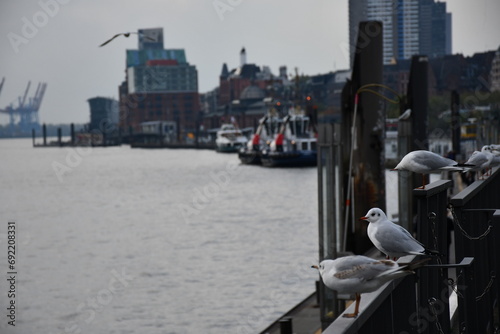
<point x="372" y="214"/>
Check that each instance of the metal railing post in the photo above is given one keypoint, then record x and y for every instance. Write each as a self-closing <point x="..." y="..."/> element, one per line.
<point x="432" y="231"/>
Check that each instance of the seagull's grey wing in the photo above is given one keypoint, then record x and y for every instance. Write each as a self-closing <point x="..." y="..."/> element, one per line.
<point x="477" y="158"/>
<point x="395" y="239"/>
<point x="433" y="161"/>
<point x="347" y="262"/>
<point x="408" y="234"/>
<point x="109" y="40"/>
<point x="368" y="271"/>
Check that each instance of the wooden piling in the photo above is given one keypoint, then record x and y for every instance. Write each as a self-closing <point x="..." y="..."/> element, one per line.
<point x="44" y="133"/>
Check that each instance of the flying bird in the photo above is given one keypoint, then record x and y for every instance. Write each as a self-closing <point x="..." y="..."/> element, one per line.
<point x="392" y="239"/>
<point x="126" y="34"/>
<point x="426" y="162"/>
<point x="357" y="274"/>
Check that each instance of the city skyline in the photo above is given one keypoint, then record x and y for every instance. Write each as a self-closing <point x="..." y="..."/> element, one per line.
<point x="56" y="41"/>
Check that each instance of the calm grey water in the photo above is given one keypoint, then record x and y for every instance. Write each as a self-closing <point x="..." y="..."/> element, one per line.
<point x="121" y="240"/>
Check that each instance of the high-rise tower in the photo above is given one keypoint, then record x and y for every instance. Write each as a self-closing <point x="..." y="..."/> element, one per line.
<point x="409" y="27"/>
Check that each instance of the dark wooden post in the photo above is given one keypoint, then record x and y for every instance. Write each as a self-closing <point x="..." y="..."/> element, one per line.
<point x="455" y="124"/>
<point x="72" y="134"/>
<point x="44" y="133"/>
<point x="59" y="136"/>
<point x="368" y="170"/>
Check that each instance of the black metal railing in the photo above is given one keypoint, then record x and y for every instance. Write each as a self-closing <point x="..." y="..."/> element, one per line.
<point x="477" y="234"/>
<point x="437" y="299"/>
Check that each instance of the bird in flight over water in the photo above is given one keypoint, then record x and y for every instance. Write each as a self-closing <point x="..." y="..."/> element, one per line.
<point x="126" y="34"/>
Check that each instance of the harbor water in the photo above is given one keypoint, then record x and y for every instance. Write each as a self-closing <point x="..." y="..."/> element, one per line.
<point x="121" y="240"/>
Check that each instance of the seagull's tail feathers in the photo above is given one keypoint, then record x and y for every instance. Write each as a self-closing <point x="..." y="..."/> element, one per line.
<point x="411" y="266"/>
<point x="466" y="167"/>
<point x="453" y="168"/>
<point x="432" y="252"/>
<point x="426" y="251"/>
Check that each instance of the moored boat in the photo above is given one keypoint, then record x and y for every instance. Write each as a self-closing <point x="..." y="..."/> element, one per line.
<point x="294" y="145"/>
<point x="251" y="153"/>
<point x="230" y="139"/>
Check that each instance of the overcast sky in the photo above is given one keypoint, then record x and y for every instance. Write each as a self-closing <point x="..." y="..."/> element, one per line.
<point x="58" y="44"/>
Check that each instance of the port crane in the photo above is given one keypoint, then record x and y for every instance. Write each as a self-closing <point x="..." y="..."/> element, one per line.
<point x="24" y="117"/>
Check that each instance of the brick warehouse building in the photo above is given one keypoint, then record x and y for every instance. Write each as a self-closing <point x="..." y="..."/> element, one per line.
<point x="160" y="85"/>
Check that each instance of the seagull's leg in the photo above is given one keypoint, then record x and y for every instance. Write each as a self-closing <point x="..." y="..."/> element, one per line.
<point x="423" y="182"/>
<point x="356" y="308"/>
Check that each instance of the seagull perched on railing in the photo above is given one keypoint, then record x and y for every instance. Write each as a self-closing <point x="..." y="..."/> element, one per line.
<point x="495" y="149"/>
<point x="126" y="34"/>
<point x="357" y="274"/>
<point x="426" y="162"/>
<point x="480" y="160"/>
<point x="392" y="239"/>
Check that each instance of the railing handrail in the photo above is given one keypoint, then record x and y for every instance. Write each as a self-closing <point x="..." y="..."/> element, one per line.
<point x="369" y="303"/>
<point x="431" y="199"/>
<point x="468" y="193"/>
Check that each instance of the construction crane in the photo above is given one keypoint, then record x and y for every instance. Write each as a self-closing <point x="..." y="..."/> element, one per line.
<point x="26" y="112"/>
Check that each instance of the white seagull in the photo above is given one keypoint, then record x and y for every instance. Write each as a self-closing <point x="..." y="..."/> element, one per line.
<point x="426" y="162"/>
<point x="480" y="160"/>
<point x="392" y="239"/>
<point x="404" y="116"/>
<point x="126" y="34"/>
<point x="357" y="274"/>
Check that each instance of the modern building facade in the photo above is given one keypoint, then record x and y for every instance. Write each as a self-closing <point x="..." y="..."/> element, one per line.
<point x="160" y="85"/>
<point x="410" y="27"/>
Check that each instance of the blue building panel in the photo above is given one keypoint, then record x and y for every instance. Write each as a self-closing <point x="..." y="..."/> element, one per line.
<point x="140" y="57"/>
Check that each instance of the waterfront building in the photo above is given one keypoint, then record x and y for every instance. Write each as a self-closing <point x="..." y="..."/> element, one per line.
<point x="245" y="94"/>
<point x="103" y="114"/>
<point x="495" y="72"/>
<point x="160" y="85"/>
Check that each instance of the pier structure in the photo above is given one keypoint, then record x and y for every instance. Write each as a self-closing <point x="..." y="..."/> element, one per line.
<point x="456" y="292"/>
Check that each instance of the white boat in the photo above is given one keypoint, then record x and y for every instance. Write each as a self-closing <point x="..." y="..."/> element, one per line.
<point x="260" y="140"/>
<point x="294" y="145"/>
<point x="230" y="138"/>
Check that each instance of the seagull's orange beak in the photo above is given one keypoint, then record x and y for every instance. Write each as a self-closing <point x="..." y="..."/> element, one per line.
<point x="363" y="218"/>
<point x="314" y="266"/>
